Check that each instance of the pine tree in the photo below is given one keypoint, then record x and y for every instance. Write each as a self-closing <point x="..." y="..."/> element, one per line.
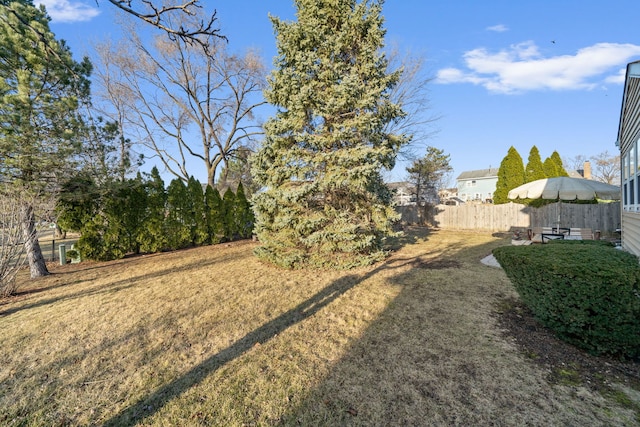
<point x="534" y="169"/>
<point x="510" y="176"/>
<point x="229" y="223"/>
<point x="199" y="233"/>
<point x="115" y="228"/>
<point x="214" y="214"/>
<point x="243" y="214"/>
<point x="550" y="168"/>
<point x="428" y="173"/>
<point x="323" y="201"/>
<point x="153" y="236"/>
<point x="126" y="211"/>
<point x="41" y="89"/>
<point x="559" y="166"/>
<point x="178" y="221"/>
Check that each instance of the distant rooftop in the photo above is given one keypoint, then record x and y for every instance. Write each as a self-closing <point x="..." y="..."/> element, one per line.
<point x="480" y="173"/>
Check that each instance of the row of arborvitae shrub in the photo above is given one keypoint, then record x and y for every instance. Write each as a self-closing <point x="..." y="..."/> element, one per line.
<point x="586" y="291"/>
<point x="141" y="216"/>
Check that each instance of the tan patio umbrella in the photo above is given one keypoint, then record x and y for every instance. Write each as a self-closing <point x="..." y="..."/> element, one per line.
<point x="565" y="188"/>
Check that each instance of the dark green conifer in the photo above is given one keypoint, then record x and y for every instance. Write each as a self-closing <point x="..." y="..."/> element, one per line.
<point x="510" y="176"/>
<point x="199" y="233"/>
<point x="243" y="214"/>
<point x="534" y="169"/>
<point x="561" y="171"/>
<point x="229" y="224"/>
<point x="214" y="214"/>
<point x="153" y="237"/>
<point x="179" y="216"/>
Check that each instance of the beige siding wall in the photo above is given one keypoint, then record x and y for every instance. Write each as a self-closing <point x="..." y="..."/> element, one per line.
<point x="486" y="217"/>
<point x="629" y="134"/>
<point x="630" y="119"/>
<point x="631" y="232"/>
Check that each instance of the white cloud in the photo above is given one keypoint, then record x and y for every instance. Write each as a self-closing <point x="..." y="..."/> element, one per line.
<point x="522" y="68"/>
<point x="500" y="28"/>
<point x="617" y="78"/>
<point x="68" y="11"/>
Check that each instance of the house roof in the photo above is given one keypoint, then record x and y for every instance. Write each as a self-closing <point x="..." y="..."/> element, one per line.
<point x="396" y="185"/>
<point x="633" y="71"/>
<point x="478" y="174"/>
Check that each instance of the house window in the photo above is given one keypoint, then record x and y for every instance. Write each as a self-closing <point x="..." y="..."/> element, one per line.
<point x="630" y="177"/>
<point x="471" y="183"/>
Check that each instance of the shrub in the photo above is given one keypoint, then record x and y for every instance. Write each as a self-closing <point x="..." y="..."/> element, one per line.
<point x="214" y="214"/>
<point x="587" y="292"/>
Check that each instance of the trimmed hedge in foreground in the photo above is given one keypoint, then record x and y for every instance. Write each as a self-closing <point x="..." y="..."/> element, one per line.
<point x="586" y="291"/>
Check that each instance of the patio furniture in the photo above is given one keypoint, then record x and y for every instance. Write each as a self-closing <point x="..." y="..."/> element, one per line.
<point x="551" y="236"/>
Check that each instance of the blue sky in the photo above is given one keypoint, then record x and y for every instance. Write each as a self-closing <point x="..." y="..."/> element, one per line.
<point x="521" y="73"/>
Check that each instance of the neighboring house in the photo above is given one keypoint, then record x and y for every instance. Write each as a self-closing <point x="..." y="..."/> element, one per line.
<point x="477" y="185"/>
<point x="403" y="193"/>
<point x="629" y="142"/>
<point x="585" y="172"/>
<point x="449" y="196"/>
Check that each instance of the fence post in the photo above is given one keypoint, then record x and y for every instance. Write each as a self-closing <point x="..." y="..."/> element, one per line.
<point x="63" y="254"/>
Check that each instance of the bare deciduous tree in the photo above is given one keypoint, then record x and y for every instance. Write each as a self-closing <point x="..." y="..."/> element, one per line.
<point x="111" y="99"/>
<point x="161" y="17"/>
<point x="605" y="167"/>
<point x="12" y="241"/>
<point x="412" y="94"/>
<point x="185" y="104"/>
<point x="574" y="163"/>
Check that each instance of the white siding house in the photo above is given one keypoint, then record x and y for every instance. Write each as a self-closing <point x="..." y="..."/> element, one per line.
<point x="403" y="193"/>
<point x="629" y="143"/>
<point x="477" y="185"/>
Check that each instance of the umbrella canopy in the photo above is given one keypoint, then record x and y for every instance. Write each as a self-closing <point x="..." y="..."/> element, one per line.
<point x="565" y="188"/>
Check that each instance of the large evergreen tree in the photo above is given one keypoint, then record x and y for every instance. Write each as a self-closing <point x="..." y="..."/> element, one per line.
<point x="323" y="201"/>
<point x="41" y="88"/>
<point x="534" y="169"/>
<point x="510" y="175"/>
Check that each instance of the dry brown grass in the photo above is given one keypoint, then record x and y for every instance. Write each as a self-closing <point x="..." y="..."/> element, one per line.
<point x="210" y="336"/>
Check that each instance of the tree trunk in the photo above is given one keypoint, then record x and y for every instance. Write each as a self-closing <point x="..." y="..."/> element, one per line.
<point x="60" y="233"/>
<point x="37" y="264"/>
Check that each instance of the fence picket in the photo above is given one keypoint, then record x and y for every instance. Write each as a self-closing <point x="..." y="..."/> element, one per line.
<point x="486" y="217"/>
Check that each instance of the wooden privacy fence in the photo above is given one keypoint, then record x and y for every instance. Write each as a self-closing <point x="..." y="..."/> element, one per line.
<point x="602" y="216"/>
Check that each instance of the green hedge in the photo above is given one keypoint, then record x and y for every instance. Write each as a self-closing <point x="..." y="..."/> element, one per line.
<point x="586" y="291"/>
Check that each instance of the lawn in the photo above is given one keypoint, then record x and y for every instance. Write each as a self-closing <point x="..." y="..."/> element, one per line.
<point x="212" y="336"/>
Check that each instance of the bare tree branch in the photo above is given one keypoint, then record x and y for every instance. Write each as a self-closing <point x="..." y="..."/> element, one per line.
<point x="187" y="104"/>
<point x="412" y="94"/>
<point x="160" y="17"/>
<point x="12" y="243"/>
<point x="606" y="168"/>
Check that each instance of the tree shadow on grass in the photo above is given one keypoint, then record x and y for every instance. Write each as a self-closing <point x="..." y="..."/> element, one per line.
<point x="155" y="401"/>
<point x="409" y="236"/>
<point x="110" y="287"/>
<point x="438" y="355"/>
